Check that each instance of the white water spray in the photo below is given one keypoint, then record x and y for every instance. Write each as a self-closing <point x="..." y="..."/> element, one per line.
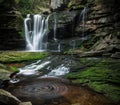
<point x="55" y="26"/>
<point x="36" y="31"/>
<point x="36" y="36"/>
<point x="83" y="15"/>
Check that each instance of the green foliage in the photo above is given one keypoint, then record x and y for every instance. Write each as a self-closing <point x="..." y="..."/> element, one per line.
<point x="108" y="89"/>
<point x="70" y="51"/>
<point x="26" y="6"/>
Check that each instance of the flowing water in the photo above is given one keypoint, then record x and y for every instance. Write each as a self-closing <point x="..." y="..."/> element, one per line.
<point x="83" y="18"/>
<point x="55" y="91"/>
<point x="36" y="31"/>
<point x="42" y="82"/>
<point x="55" y="26"/>
<point x="52" y="66"/>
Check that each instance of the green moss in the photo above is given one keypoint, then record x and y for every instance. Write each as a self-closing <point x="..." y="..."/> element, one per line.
<point x="13" y="68"/>
<point x="7" y="57"/>
<point x="103" y="76"/>
<point x="108" y="89"/>
<point x="4" y="74"/>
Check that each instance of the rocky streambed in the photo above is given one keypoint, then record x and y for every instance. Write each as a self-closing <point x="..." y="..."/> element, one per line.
<point x="61" y="79"/>
<point x="55" y="91"/>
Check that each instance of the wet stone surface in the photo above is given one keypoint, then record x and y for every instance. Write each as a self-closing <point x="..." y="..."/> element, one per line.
<point x="55" y="91"/>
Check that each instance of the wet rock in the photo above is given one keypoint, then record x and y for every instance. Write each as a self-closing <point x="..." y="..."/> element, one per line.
<point x="66" y="22"/>
<point x="116" y="55"/>
<point x="4" y="74"/>
<point x="8" y="98"/>
<point x="107" y="43"/>
<point x="4" y="84"/>
<point x="10" y="26"/>
<point x="92" y="53"/>
<point x="76" y="104"/>
<point x="25" y="103"/>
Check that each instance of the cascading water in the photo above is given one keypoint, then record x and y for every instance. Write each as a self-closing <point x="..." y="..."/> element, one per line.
<point x="36" y="36"/>
<point x="55" y="26"/>
<point x="74" y="44"/>
<point x="36" y="31"/>
<point x="59" y="47"/>
<point x="52" y="66"/>
<point x="83" y="17"/>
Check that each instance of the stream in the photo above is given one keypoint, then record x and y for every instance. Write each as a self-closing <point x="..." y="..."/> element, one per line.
<point x="42" y="82"/>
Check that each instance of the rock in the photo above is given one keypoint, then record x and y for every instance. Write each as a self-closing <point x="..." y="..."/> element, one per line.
<point x="116" y="55"/>
<point x="103" y="43"/>
<point x="92" y="53"/>
<point x="65" y="24"/>
<point x="107" y="54"/>
<point x="57" y="5"/>
<point x="76" y="104"/>
<point x="5" y="83"/>
<point x="25" y="103"/>
<point x="8" y="98"/>
<point x="10" y="26"/>
<point x="4" y="74"/>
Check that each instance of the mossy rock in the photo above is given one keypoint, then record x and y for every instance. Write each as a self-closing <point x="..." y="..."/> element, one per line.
<point x="103" y="77"/>
<point x="14" y="56"/>
<point x="4" y="74"/>
<point x="8" y="98"/>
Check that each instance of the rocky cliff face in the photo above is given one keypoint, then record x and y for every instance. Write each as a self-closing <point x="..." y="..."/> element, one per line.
<point x="102" y="23"/>
<point x="9" y="27"/>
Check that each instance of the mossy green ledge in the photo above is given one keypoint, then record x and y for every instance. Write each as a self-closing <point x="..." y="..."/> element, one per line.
<point x="19" y="56"/>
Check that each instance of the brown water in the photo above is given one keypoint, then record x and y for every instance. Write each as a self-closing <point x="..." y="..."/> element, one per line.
<point x="54" y="91"/>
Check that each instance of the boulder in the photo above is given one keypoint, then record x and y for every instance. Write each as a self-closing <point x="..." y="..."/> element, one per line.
<point x="25" y="103"/>
<point x="4" y="74"/>
<point x="116" y="55"/>
<point x="8" y="98"/>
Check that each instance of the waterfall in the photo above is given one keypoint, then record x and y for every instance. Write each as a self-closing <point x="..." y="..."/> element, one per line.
<point x="59" y="47"/>
<point x="55" y="26"/>
<point x="36" y="31"/>
<point x="74" y="44"/>
<point x="83" y="15"/>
